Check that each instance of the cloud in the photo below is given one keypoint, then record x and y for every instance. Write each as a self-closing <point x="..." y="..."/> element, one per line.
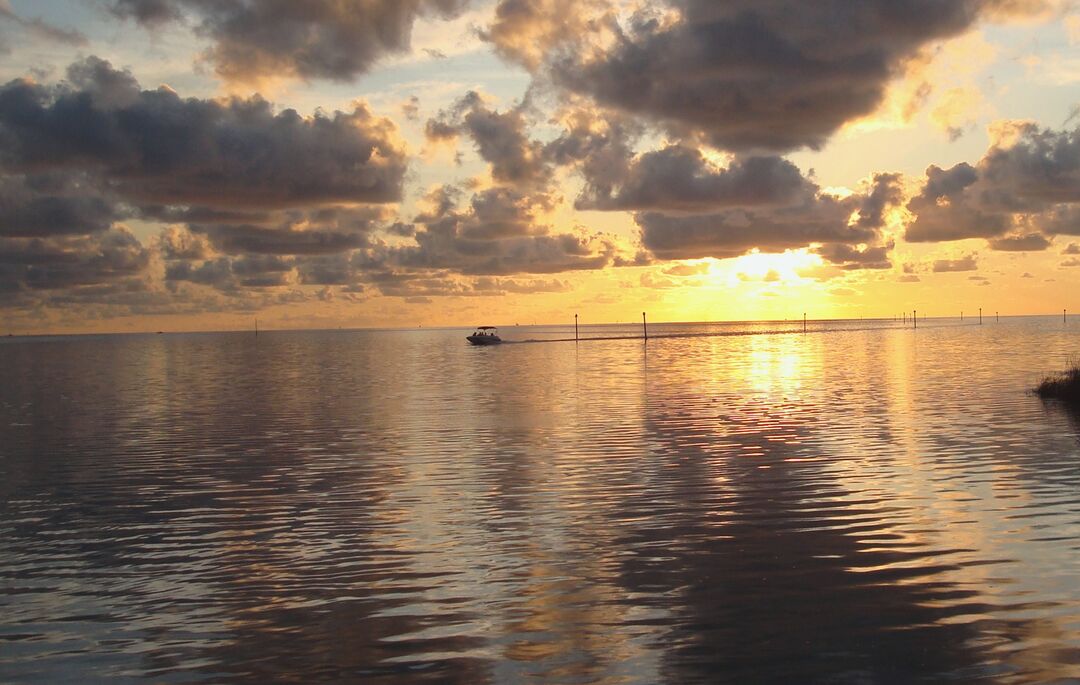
<point x="909" y="278"/>
<point x="688" y="207"/>
<point x="944" y="212"/>
<point x="683" y="270"/>
<point x="326" y="230"/>
<point x="1030" y="177"/>
<point x="49" y="204"/>
<point x="177" y="243"/>
<point x="851" y="258"/>
<point x="71" y="261"/>
<point x="745" y="74"/>
<point x="773" y="221"/>
<point x="499" y="233"/>
<point x="966" y="263"/>
<point x="1073" y="248"/>
<point x="886" y="190"/>
<point x="40" y="28"/>
<point x="503" y="286"/>
<point x="722" y="235"/>
<point x="956" y="110"/>
<point x="501" y="139"/>
<point x="679" y="178"/>
<point x="331" y="39"/>
<point x="524" y="31"/>
<point x="1028" y="242"/>
<point x="155" y="147"/>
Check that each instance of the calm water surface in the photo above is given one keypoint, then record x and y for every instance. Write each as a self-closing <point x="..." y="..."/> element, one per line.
<point x="860" y="503"/>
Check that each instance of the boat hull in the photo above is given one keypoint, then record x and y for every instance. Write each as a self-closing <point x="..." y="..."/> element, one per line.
<point x="484" y="339"/>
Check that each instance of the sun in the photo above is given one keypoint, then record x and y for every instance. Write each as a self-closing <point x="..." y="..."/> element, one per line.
<point x="768" y="267"/>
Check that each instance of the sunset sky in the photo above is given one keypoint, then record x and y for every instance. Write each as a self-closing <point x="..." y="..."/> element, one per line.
<point x="195" y="164"/>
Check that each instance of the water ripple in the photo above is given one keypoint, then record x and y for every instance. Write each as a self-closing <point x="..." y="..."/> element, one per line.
<point x="727" y="503"/>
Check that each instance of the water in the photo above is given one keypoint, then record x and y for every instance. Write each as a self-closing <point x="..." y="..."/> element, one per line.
<point x="860" y="503"/>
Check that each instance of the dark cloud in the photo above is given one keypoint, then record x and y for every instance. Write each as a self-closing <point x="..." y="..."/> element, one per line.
<point x="336" y="269"/>
<point x="217" y="273"/>
<point x="886" y="190"/>
<point x="333" y="39"/>
<point x="1040" y="168"/>
<point x="748" y="74"/>
<point x="772" y="211"/>
<point x="155" y="147"/>
<point x="71" y="261"/>
<point x="1029" y="242"/>
<point x="966" y="263"/>
<point x="735" y="232"/>
<point x="945" y="212"/>
<point x="501" y="139"/>
<point x="322" y="231"/>
<point x="600" y="145"/>
<point x="1059" y="220"/>
<point x="1029" y="179"/>
<point x="240" y="239"/>
<point x="499" y="233"/>
<point x="852" y="258"/>
<point x="231" y="275"/>
<point x="679" y="178"/>
<point x="1072" y="248"/>
<point x="688" y="207"/>
<point x="54" y="204"/>
<point x="148" y="11"/>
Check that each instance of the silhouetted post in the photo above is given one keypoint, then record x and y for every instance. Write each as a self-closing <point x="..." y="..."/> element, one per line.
<point x="804" y="322"/>
<point x="996" y="319"/>
<point x="575" y="327"/>
<point x="644" y="326"/>
<point x="961" y="314"/>
<point x="980" y="316"/>
<point x="915" y="317"/>
<point x="256" y="328"/>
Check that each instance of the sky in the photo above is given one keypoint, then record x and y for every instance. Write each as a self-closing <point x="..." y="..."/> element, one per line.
<point x="199" y="164"/>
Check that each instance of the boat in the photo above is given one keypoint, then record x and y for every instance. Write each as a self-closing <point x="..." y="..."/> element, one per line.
<point x="485" y="335"/>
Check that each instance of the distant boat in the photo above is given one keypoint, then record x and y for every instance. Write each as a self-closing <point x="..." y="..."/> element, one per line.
<point x="485" y="335"/>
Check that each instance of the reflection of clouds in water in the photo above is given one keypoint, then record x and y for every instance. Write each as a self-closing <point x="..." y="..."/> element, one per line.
<point x="778" y="567"/>
<point x="344" y="505"/>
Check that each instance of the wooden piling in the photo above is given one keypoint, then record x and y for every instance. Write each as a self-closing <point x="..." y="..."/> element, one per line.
<point x="804" y="322"/>
<point x="915" y="317"/>
<point x="644" y="326"/>
<point x="575" y="328"/>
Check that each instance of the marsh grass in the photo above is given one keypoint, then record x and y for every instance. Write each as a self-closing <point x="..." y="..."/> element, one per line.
<point x="1063" y="386"/>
